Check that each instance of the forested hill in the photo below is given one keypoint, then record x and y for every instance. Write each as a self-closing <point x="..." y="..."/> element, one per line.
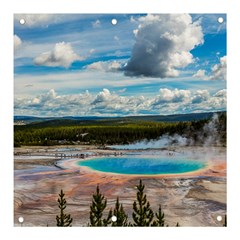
<point x="198" y="130"/>
<point x="73" y="121"/>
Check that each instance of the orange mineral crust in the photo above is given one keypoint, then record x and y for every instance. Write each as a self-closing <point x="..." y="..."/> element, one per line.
<point x="188" y="198"/>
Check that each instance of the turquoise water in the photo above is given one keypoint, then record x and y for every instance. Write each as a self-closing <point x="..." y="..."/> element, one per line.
<point x="140" y="165"/>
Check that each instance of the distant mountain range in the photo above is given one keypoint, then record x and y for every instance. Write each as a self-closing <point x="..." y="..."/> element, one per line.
<point x="70" y="120"/>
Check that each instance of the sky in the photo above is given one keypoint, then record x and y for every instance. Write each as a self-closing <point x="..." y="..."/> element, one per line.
<point x="146" y="64"/>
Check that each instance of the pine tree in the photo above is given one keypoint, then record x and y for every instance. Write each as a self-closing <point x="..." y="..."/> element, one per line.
<point x="159" y="222"/>
<point x="64" y="220"/>
<point x="122" y="219"/>
<point x="225" y="221"/>
<point x="97" y="207"/>
<point x="108" y="221"/>
<point x="143" y="214"/>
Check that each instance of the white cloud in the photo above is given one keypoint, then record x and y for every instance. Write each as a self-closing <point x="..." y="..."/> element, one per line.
<point x="51" y="104"/>
<point x="102" y="96"/>
<point x="17" y="42"/>
<point x="221" y="93"/>
<point x="42" y="99"/>
<point x="99" y="66"/>
<point x="167" y="95"/>
<point x="200" y="96"/>
<point x="107" y="103"/>
<point x="200" y="74"/>
<point x="114" y="66"/>
<point x="163" y="45"/>
<point x="33" y="20"/>
<point x="61" y="55"/>
<point x="215" y="102"/>
<point x="108" y="66"/>
<point x="219" y="99"/>
<point x="218" y="71"/>
<point x="44" y="20"/>
<point x="84" y="79"/>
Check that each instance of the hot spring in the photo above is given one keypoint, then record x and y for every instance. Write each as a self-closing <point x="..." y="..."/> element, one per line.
<point x="143" y="165"/>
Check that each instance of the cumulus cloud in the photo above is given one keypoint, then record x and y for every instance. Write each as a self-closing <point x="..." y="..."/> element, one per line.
<point x="42" y="99"/>
<point x="102" y="96"/>
<point x="218" y="100"/>
<point x="62" y="55"/>
<point x="163" y="45"/>
<point x="108" y="66"/>
<point x="200" y="74"/>
<point x="17" y="42"/>
<point x="200" y="96"/>
<point x="168" y="95"/>
<point x="221" y="93"/>
<point x="218" y="71"/>
<point x="107" y="103"/>
<point x="52" y="104"/>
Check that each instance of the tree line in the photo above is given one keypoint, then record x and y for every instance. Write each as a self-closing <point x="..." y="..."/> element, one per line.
<point x="115" y="133"/>
<point x="142" y="215"/>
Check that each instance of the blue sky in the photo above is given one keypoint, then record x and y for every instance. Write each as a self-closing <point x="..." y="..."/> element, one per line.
<point x="82" y="64"/>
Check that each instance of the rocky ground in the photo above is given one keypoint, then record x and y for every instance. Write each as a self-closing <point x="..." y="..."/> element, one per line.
<point x="193" y="199"/>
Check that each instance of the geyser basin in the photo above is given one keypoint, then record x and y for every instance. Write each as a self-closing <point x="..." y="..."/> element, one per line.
<point x="142" y="165"/>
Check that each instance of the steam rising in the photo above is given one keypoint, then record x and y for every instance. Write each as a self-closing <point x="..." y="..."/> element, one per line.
<point x="208" y="135"/>
<point x="163" y="141"/>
